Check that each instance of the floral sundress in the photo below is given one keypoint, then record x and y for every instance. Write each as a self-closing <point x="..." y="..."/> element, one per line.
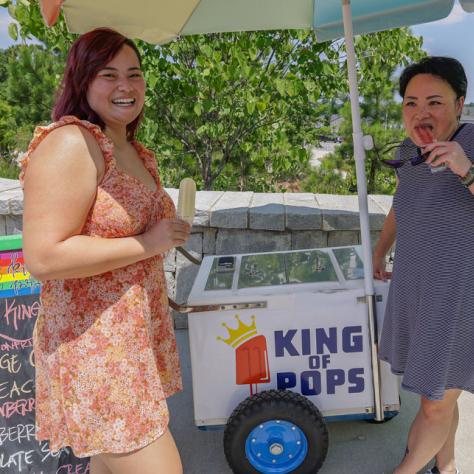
<point x="105" y="351"/>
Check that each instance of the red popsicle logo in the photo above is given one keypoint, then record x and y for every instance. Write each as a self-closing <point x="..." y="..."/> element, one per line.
<point x="251" y="354"/>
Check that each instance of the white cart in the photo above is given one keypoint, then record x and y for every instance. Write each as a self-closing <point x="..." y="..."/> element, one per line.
<point x="280" y="345"/>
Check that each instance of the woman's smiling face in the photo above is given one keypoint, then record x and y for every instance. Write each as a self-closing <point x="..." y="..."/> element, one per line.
<point x="430" y="109"/>
<point x="117" y="93"/>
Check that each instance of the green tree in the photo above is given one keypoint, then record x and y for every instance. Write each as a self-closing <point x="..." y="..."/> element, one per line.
<point x="29" y="25"/>
<point x="29" y="76"/>
<point x="381" y="55"/>
<point x="7" y="124"/>
<point x="33" y="76"/>
<point x="236" y="110"/>
<point x="232" y="110"/>
<point x="240" y="111"/>
<point x="8" y="167"/>
<point x="3" y="72"/>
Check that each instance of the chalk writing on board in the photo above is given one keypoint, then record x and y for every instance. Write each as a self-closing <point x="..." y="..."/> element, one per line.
<point x="15" y="312"/>
<point x="20" y="452"/>
<point x="18" y="460"/>
<point x="12" y="344"/>
<point x="20" y="407"/>
<point x="10" y="362"/>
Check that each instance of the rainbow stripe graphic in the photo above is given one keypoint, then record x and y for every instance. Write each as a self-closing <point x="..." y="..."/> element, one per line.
<point x="14" y="277"/>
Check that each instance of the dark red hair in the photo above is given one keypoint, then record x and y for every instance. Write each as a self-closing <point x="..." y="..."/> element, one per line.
<point x="87" y="56"/>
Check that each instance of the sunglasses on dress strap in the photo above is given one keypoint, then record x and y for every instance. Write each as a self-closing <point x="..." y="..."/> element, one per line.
<point x="416" y="160"/>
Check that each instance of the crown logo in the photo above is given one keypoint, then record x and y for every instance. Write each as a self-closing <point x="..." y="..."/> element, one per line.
<point x="240" y="334"/>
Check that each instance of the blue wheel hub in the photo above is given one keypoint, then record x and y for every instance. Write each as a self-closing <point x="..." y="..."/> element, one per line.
<point x="276" y="447"/>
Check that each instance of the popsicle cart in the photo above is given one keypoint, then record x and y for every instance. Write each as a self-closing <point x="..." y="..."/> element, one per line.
<point x="279" y="346"/>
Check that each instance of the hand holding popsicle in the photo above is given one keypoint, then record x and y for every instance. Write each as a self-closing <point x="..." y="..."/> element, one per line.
<point x="443" y="155"/>
<point x="426" y="137"/>
<point x="169" y="233"/>
<point x="448" y="154"/>
<point x="164" y="235"/>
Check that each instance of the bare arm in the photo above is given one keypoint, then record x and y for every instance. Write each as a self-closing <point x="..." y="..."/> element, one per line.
<point x="384" y="244"/>
<point x="60" y="188"/>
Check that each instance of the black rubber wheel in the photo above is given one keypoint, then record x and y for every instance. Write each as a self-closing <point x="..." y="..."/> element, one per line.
<point x="267" y="408"/>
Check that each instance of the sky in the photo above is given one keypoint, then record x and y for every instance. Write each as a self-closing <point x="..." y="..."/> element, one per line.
<point x="448" y="37"/>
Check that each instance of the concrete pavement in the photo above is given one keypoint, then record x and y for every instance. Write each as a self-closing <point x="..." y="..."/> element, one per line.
<point x="354" y="447"/>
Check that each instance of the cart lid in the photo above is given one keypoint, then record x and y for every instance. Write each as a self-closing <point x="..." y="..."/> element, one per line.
<point x="223" y="278"/>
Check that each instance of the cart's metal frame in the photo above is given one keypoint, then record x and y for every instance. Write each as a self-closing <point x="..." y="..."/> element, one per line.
<point x="370" y="300"/>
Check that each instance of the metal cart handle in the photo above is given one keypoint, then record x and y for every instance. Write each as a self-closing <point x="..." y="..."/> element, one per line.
<point x="215" y="307"/>
<point x="186" y="254"/>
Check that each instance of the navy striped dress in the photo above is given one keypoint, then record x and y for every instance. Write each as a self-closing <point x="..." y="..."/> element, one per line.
<point x="428" y="332"/>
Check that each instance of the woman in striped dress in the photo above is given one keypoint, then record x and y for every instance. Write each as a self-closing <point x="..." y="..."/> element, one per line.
<point x="429" y="321"/>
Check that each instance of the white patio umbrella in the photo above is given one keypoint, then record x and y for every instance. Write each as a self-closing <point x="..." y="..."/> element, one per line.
<point x="160" y="21"/>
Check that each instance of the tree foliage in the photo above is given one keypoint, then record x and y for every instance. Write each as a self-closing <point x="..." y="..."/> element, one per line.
<point x="234" y="110"/>
<point x="34" y="74"/>
<point x="381" y="55"/>
<point x="30" y="74"/>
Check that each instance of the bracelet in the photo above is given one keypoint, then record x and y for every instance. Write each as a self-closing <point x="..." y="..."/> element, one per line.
<point x="468" y="179"/>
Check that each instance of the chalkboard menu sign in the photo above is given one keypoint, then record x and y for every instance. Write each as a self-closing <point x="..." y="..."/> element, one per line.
<point x="19" y="303"/>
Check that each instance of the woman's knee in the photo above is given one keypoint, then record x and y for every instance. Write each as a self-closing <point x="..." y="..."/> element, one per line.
<point x="438" y="410"/>
<point x="159" y="457"/>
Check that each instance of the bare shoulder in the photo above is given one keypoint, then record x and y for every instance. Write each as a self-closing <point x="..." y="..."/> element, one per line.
<point x="67" y="147"/>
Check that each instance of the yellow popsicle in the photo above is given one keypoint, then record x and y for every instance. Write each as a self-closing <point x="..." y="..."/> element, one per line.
<point x="187" y="200"/>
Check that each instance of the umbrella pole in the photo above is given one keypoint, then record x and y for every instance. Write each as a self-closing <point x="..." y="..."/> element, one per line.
<point x="359" y="155"/>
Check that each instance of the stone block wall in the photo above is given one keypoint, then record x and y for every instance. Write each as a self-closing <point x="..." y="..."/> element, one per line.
<point x="233" y="222"/>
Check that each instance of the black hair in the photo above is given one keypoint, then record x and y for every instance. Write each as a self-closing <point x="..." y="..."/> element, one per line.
<point x="448" y="69"/>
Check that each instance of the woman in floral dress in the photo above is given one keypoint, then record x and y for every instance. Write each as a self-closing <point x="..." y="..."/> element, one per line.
<point x="96" y="224"/>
